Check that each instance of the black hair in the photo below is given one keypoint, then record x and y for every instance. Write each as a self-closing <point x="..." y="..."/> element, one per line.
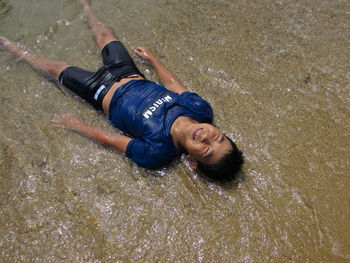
<point x="226" y="168"/>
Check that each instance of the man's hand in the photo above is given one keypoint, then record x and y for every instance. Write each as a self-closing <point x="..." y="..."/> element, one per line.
<point x="71" y="122"/>
<point x="144" y="53"/>
<point x="166" y="77"/>
<point x="67" y="121"/>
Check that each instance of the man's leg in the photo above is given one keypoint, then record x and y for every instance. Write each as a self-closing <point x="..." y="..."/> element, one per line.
<point x="49" y="68"/>
<point x="103" y="35"/>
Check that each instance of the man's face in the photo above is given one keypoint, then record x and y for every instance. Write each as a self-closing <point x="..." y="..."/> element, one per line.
<point x="205" y="143"/>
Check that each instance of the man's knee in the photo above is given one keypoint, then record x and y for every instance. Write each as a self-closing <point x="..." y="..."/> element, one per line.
<point x="57" y="67"/>
<point x="105" y="37"/>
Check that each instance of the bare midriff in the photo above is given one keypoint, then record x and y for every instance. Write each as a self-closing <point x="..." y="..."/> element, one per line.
<point x="108" y="97"/>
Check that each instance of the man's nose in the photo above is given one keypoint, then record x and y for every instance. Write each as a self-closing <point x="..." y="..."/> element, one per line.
<point x="205" y="137"/>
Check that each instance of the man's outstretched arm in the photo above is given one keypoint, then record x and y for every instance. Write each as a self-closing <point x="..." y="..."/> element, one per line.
<point x="71" y="122"/>
<point x="164" y="75"/>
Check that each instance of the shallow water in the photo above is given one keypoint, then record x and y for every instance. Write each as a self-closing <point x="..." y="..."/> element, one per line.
<point x="278" y="76"/>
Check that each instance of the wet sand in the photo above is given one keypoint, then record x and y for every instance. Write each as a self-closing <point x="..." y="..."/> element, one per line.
<point x="277" y="74"/>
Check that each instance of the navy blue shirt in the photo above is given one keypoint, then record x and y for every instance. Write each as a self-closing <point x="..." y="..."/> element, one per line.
<point x="145" y="111"/>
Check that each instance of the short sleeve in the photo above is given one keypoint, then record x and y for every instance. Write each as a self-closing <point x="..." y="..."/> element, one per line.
<point x="146" y="155"/>
<point x="196" y="104"/>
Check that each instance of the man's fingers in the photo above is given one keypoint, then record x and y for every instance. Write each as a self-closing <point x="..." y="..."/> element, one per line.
<point x="62" y="120"/>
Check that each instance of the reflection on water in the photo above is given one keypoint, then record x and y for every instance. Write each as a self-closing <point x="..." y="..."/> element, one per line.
<point x="277" y="75"/>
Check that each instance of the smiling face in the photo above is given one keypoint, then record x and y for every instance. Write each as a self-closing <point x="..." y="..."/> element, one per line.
<point x="205" y="143"/>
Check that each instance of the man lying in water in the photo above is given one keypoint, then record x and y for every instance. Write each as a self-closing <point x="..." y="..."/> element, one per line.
<point x="159" y="122"/>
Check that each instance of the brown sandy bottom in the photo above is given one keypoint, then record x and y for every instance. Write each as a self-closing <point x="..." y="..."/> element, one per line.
<point x="277" y="75"/>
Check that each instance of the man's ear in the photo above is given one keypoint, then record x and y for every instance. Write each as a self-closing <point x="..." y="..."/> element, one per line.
<point x="192" y="162"/>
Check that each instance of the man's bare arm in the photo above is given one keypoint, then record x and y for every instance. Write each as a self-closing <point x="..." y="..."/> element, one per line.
<point x="165" y="76"/>
<point x="71" y="122"/>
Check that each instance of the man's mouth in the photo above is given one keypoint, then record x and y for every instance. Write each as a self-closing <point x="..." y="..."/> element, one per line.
<point x="196" y="132"/>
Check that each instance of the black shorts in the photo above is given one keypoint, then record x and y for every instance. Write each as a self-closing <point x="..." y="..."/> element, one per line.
<point x="93" y="86"/>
